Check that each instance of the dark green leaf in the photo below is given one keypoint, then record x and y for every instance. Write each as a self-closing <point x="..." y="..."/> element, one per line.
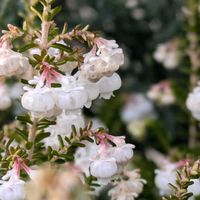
<point x="41" y="136"/>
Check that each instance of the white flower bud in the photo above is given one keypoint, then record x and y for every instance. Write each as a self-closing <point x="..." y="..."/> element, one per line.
<point x="103" y="168"/>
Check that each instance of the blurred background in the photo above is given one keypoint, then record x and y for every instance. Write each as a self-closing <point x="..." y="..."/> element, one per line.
<point x="150" y="117"/>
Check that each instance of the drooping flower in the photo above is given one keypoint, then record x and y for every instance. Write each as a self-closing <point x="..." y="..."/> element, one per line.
<point x="103" y="60"/>
<point x="107" y="85"/>
<point x="104" y="168"/>
<point x="137" y="108"/>
<point x="109" y="156"/>
<point x="91" y="88"/>
<point x="70" y="96"/>
<point x="12" y="63"/>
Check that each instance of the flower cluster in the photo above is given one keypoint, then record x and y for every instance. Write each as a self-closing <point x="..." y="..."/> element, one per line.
<point x="104" y="160"/>
<point x="128" y="188"/>
<point x="74" y="93"/>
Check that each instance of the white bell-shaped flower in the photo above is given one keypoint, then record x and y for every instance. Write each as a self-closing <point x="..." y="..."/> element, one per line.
<point x="72" y="99"/>
<point x="38" y="100"/>
<point x="83" y="156"/>
<point x="70" y="96"/>
<point x="104" y="59"/>
<point x="129" y="188"/>
<point x="104" y="168"/>
<point x="122" y="154"/>
<point x="91" y="88"/>
<point x="109" y="84"/>
<point x="12" y="63"/>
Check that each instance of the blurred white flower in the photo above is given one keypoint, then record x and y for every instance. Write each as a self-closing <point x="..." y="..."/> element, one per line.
<point x="5" y="101"/>
<point x="164" y="177"/>
<point x="137" y="128"/>
<point x="136" y="108"/>
<point x="193" y="102"/>
<point x="168" y="54"/>
<point x="167" y="175"/>
<point x="162" y="93"/>
<point x="12" y="189"/>
<point x="138" y="13"/>
<point x="87" y="12"/>
<point x="194" y="188"/>
<point x="128" y="189"/>
<point x="131" y="3"/>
